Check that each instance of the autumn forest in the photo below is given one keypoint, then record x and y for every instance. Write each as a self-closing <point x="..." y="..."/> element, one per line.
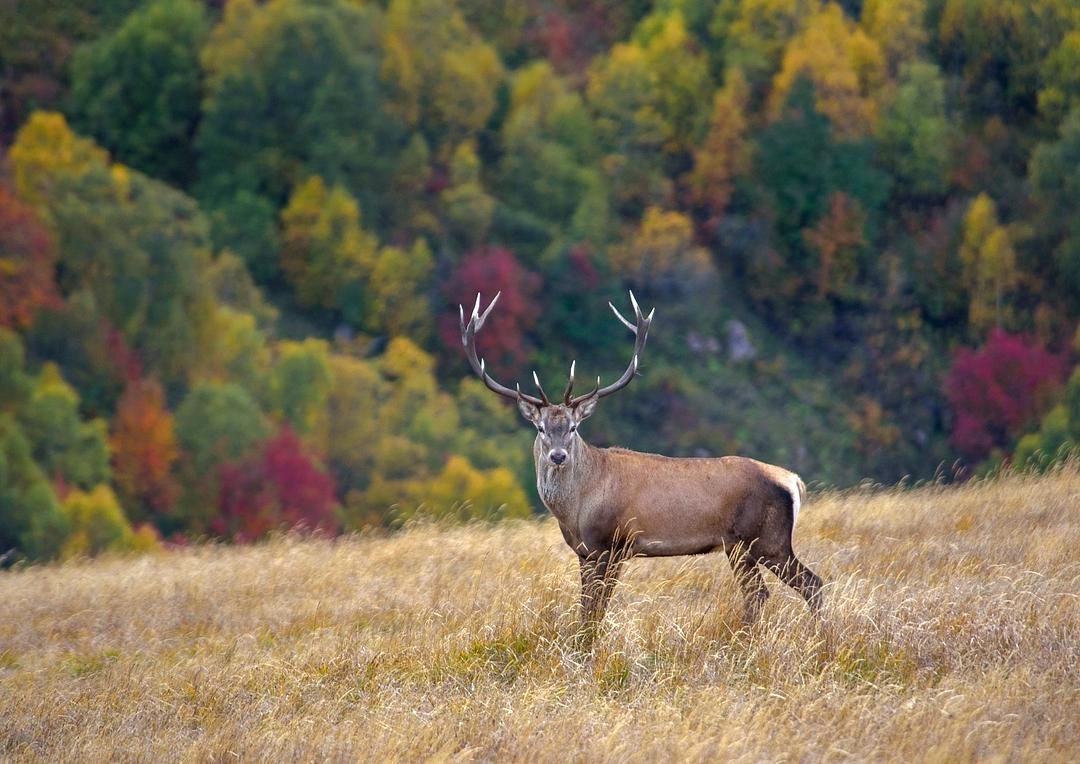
<point x="234" y="237"/>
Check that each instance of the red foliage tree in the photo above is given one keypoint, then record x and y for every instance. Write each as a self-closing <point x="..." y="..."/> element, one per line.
<point x="502" y="343"/>
<point x="144" y="448"/>
<point x="27" y="264"/>
<point x="281" y="487"/>
<point x="999" y="390"/>
<point x="570" y="34"/>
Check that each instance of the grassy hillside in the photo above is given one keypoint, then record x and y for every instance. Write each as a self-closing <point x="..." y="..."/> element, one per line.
<point x="952" y="631"/>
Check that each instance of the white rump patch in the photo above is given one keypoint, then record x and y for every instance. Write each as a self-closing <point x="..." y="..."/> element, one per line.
<point x="795" y="486"/>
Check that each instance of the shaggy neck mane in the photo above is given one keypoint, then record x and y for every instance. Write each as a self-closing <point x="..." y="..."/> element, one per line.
<point x="560" y="486"/>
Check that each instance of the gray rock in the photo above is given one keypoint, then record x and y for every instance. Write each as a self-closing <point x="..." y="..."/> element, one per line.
<point x="739" y="346"/>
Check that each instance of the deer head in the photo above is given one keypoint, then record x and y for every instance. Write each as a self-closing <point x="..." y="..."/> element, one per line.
<point x="556" y="423"/>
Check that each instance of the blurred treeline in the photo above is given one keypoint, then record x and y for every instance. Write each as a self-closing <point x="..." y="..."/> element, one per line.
<point x="233" y="238"/>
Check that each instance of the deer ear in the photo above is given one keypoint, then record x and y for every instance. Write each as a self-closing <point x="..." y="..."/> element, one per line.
<point x="529" y="410"/>
<point x="585" y="409"/>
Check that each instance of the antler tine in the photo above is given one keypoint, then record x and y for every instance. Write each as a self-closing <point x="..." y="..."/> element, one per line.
<point x="567" y="394"/>
<point x="468" y="340"/>
<point x="641" y="334"/>
<point x="483" y="317"/>
<point x="536" y="381"/>
<point x="619" y="316"/>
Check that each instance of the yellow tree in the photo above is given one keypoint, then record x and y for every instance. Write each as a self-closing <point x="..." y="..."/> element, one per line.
<point x="726" y="152"/>
<point x="440" y="73"/>
<point x="47" y="150"/>
<point x="231" y="348"/>
<point x="622" y="92"/>
<point x="844" y="64"/>
<point x="399" y="304"/>
<point x="98" y="525"/>
<point x="989" y="265"/>
<point x="662" y="251"/>
<point x="897" y="27"/>
<point x="354" y="423"/>
<point x="682" y="75"/>
<point x="324" y="246"/>
<point x="461" y="491"/>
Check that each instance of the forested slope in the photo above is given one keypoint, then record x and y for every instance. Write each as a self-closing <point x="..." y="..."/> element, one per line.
<point x="233" y="238"/>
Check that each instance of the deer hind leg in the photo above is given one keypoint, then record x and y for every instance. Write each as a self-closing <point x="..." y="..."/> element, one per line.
<point x="798" y="577"/>
<point x="599" y="574"/>
<point x="755" y="592"/>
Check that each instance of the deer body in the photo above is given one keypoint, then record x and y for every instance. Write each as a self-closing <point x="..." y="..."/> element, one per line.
<point x="658" y="506"/>
<point x="612" y="504"/>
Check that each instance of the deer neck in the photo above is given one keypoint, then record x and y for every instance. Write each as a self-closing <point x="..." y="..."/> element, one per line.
<point x="561" y="488"/>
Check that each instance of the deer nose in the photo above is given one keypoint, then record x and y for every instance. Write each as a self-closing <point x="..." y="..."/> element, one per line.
<point x="558" y="456"/>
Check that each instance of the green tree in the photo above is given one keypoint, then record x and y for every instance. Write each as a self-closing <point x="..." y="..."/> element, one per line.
<point x="410" y="212"/>
<point x="15" y="385"/>
<point x="490" y="433"/>
<point x="1001" y="46"/>
<point x="137" y="90"/>
<point x="136" y="248"/>
<point x="300" y="382"/>
<point x="37" y="38"/>
<point x="467" y="207"/>
<point x="801" y="168"/>
<point x="1055" y="178"/>
<point x="273" y="118"/>
<point x="65" y="447"/>
<point x="216" y="425"/>
<point x="231" y="284"/>
<point x="31" y="520"/>
<point x="547" y="176"/>
<point x="1061" y="78"/>
<point x="750" y="35"/>
<point x="915" y="134"/>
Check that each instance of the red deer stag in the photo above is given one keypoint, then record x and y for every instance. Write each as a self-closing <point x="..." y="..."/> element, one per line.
<point x="612" y="503"/>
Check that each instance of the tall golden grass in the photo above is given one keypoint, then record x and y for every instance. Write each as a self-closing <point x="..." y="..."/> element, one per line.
<point x="951" y="633"/>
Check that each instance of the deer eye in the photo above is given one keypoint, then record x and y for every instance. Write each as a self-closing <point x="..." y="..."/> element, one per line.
<point x="540" y="428"/>
<point x="573" y="428"/>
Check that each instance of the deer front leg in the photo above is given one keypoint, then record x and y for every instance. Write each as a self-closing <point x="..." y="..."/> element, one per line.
<point x="599" y="574"/>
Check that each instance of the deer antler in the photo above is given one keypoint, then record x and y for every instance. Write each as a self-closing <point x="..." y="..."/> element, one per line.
<point x="641" y="333"/>
<point x="468" y="339"/>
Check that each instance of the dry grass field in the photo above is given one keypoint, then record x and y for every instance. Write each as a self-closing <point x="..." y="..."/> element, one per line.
<point x="951" y="633"/>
